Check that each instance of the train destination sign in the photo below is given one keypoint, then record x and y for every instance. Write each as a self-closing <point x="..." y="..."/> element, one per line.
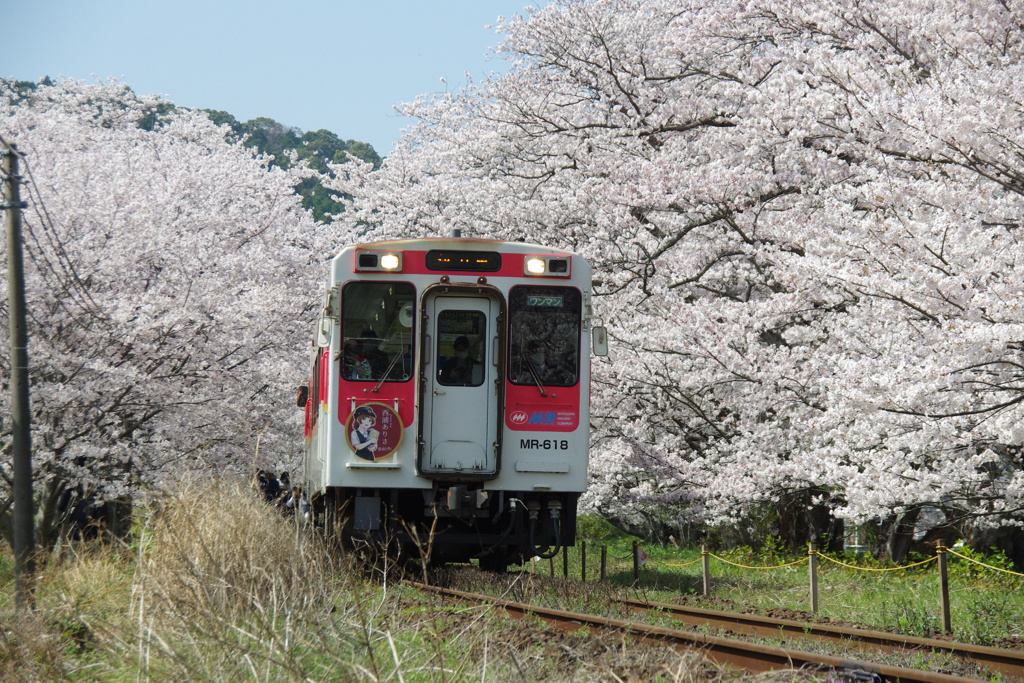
<point x="544" y="301"/>
<point x="451" y="259"/>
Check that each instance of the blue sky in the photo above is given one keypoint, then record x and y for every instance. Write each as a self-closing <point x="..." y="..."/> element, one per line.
<point x="339" y="65"/>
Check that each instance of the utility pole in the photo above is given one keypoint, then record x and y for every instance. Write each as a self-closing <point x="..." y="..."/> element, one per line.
<point x="24" y="542"/>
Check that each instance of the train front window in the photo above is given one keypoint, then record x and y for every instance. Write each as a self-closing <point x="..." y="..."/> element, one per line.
<point x="377" y="331"/>
<point x="461" y="348"/>
<point x="544" y="335"/>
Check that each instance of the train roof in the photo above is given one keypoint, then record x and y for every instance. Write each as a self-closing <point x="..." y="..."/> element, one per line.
<point x="465" y="243"/>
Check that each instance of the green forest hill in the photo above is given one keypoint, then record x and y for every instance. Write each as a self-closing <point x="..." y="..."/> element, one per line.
<point x="318" y="148"/>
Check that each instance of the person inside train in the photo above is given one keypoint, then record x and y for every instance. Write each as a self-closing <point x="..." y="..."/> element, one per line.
<point x="362" y="359"/>
<point x="462" y="369"/>
<point x="355" y="365"/>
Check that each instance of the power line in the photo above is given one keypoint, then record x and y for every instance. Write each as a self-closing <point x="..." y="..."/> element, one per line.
<point x="64" y="272"/>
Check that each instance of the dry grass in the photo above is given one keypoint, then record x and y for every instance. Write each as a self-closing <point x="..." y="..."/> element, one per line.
<point x="218" y="586"/>
<point x="226" y="587"/>
<point x="29" y="648"/>
<point x="223" y="553"/>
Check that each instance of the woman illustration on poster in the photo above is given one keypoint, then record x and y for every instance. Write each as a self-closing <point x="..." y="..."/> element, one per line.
<point x="364" y="438"/>
<point x="374" y="431"/>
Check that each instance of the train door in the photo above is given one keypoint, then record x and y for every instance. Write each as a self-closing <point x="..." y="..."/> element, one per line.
<point x="460" y="400"/>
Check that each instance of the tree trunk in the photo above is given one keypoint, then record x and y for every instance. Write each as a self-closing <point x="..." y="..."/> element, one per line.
<point x="1008" y="539"/>
<point x="898" y="534"/>
<point x="801" y="522"/>
<point x="52" y="513"/>
<point x="119" y="518"/>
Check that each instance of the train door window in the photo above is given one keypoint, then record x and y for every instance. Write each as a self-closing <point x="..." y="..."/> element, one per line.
<point x="377" y="331"/>
<point x="461" y="347"/>
<point x="544" y="335"/>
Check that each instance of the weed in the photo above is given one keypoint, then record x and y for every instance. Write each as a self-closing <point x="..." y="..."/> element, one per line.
<point x="906" y="616"/>
<point x="990" y="616"/>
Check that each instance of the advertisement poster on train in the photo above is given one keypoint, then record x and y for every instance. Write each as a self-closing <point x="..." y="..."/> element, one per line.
<point x="374" y="430"/>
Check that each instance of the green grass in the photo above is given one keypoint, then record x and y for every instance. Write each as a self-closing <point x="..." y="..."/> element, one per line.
<point x="987" y="606"/>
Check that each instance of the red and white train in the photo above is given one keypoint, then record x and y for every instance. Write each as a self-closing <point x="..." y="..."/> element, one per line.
<point x="447" y="409"/>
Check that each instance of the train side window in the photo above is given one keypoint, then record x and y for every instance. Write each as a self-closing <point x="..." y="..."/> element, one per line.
<point x="544" y="335"/>
<point x="377" y="331"/>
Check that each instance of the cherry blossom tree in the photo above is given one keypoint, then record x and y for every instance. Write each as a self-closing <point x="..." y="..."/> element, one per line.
<point x="168" y="279"/>
<point x="804" y="223"/>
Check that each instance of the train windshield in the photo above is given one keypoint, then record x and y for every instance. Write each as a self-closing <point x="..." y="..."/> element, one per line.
<point x="544" y="335"/>
<point x="377" y="331"/>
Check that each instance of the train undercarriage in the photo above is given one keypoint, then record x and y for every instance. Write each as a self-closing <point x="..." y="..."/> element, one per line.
<point x="451" y="524"/>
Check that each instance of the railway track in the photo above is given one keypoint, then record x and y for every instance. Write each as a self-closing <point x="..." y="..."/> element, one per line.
<point x="737" y="654"/>
<point x="1009" y="663"/>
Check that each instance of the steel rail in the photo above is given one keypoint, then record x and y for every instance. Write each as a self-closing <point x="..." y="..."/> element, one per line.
<point x="753" y="657"/>
<point x="1010" y="663"/>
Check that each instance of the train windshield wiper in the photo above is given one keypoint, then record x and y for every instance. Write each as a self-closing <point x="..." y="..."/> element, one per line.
<point x="391" y="366"/>
<point x="536" y="378"/>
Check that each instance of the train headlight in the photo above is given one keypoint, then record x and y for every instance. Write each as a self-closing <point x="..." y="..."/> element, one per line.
<point x="379" y="261"/>
<point x="548" y="266"/>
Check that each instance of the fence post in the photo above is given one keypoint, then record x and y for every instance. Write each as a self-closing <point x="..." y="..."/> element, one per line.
<point x="565" y="562"/>
<point x="551" y="566"/>
<point x="812" y="553"/>
<point x="705" y="569"/>
<point x="636" y="563"/>
<point x="604" y="562"/>
<point x="583" y="562"/>
<point x="941" y="551"/>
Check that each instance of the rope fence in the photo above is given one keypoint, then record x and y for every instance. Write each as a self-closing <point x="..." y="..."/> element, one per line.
<point x="640" y="559"/>
<point x="986" y="566"/>
<point x="744" y="566"/>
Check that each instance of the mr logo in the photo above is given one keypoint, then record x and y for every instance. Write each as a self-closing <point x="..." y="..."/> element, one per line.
<point x="541" y="418"/>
